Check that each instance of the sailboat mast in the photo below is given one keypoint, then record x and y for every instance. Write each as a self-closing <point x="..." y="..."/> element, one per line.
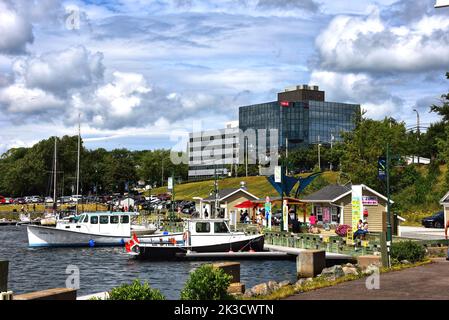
<point x="78" y="162"/>
<point x="54" y="178"/>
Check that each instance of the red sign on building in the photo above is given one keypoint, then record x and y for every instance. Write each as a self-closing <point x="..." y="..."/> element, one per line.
<point x="285" y="104"/>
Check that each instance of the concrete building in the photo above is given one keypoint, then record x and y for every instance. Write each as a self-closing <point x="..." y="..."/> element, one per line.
<point x="214" y="151"/>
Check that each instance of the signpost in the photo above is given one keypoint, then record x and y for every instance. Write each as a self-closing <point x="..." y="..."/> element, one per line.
<point x="357" y="206"/>
<point x="285" y="215"/>
<point x="278" y="174"/>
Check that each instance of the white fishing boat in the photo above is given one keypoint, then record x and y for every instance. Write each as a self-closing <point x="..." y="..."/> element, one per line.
<point x="90" y="229"/>
<point x="200" y="235"/>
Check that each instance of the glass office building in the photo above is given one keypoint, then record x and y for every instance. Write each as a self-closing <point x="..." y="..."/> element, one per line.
<point x="301" y="123"/>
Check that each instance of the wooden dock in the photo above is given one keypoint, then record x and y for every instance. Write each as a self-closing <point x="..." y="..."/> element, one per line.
<point x="297" y="251"/>
<point x="263" y="255"/>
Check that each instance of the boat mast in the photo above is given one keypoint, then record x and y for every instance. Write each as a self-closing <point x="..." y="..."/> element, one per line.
<point x="54" y="179"/>
<point x="78" y="162"/>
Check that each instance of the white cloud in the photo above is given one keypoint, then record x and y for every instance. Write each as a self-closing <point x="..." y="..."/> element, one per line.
<point x="362" y="89"/>
<point x="61" y="71"/>
<point x="18" y="99"/>
<point x="15" y="31"/>
<point x="123" y="94"/>
<point x="372" y="44"/>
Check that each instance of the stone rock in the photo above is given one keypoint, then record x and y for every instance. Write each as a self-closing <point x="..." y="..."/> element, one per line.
<point x="248" y="294"/>
<point x="350" y="265"/>
<point x="372" y="268"/>
<point x="405" y="262"/>
<point x="284" y="283"/>
<point x="259" y="290"/>
<point x="300" y="282"/>
<point x="350" y="270"/>
<point x="272" y="286"/>
<point x="333" y="272"/>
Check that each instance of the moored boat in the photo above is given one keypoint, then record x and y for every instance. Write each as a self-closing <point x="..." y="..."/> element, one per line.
<point x="89" y="229"/>
<point x="200" y="235"/>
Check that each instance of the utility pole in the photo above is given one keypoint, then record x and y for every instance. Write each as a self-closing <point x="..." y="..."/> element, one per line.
<point x="286" y="155"/>
<point x="215" y="191"/>
<point x="246" y="156"/>
<point x="389" y="235"/>
<point x="418" y="132"/>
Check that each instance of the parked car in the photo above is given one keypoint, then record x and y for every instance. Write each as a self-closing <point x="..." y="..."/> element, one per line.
<point x="20" y="201"/>
<point x="9" y="200"/>
<point x="2" y="199"/>
<point x="434" y="221"/>
<point x="33" y="199"/>
<point x="48" y="200"/>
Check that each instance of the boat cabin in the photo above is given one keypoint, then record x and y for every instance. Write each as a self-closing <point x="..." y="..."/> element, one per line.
<point x="107" y="223"/>
<point x="207" y="226"/>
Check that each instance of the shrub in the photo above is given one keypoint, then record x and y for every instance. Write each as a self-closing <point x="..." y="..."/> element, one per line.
<point x="207" y="283"/>
<point x="135" y="291"/>
<point x="407" y="250"/>
<point x="342" y="230"/>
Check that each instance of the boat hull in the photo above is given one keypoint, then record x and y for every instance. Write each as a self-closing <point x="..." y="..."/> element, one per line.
<point x="169" y="252"/>
<point x="41" y="236"/>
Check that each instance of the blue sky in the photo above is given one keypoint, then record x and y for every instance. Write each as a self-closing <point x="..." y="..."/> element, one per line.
<point x="142" y="72"/>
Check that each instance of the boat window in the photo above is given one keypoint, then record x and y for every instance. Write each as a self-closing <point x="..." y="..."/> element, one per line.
<point x="220" y="227"/>
<point x="202" y="227"/>
<point x="114" y="219"/>
<point x="124" y="219"/>
<point x="94" y="220"/>
<point x="86" y="219"/>
<point x="104" y="219"/>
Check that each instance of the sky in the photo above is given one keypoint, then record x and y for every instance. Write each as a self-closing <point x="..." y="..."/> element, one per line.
<point x="139" y="74"/>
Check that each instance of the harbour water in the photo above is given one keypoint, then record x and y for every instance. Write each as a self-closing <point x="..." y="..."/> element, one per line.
<point x="101" y="269"/>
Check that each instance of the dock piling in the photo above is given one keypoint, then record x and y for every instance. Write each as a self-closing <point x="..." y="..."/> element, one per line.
<point x="310" y="263"/>
<point x="4" y="265"/>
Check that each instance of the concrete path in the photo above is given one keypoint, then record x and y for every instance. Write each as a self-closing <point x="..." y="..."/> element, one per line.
<point x="422" y="233"/>
<point x="428" y="282"/>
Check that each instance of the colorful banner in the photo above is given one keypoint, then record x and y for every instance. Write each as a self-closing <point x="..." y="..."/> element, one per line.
<point x="357" y="206"/>
<point x="268" y="212"/>
<point x="285" y="215"/>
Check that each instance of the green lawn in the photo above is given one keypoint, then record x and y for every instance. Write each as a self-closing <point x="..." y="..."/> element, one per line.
<point x="259" y="186"/>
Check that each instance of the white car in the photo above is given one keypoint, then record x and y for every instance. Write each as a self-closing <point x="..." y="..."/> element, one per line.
<point x="76" y="198"/>
<point x="48" y="200"/>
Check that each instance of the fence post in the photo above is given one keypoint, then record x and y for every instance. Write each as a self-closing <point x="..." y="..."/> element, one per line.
<point x="4" y="276"/>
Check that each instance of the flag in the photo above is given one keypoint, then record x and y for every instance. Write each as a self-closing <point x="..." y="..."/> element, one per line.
<point x="132" y="243"/>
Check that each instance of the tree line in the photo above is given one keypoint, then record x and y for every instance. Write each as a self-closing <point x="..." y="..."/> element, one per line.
<point x="29" y="171"/>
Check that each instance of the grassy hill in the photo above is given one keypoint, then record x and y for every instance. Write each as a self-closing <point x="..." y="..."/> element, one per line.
<point x="258" y="186"/>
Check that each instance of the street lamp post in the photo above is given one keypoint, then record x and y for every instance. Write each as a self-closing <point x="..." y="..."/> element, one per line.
<point x="319" y="155"/>
<point x="418" y="132"/>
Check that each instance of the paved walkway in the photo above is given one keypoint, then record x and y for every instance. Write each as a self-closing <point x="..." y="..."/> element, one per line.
<point x="428" y="282"/>
<point x="422" y="233"/>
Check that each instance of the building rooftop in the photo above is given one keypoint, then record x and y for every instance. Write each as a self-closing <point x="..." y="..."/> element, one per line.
<point x="328" y="193"/>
